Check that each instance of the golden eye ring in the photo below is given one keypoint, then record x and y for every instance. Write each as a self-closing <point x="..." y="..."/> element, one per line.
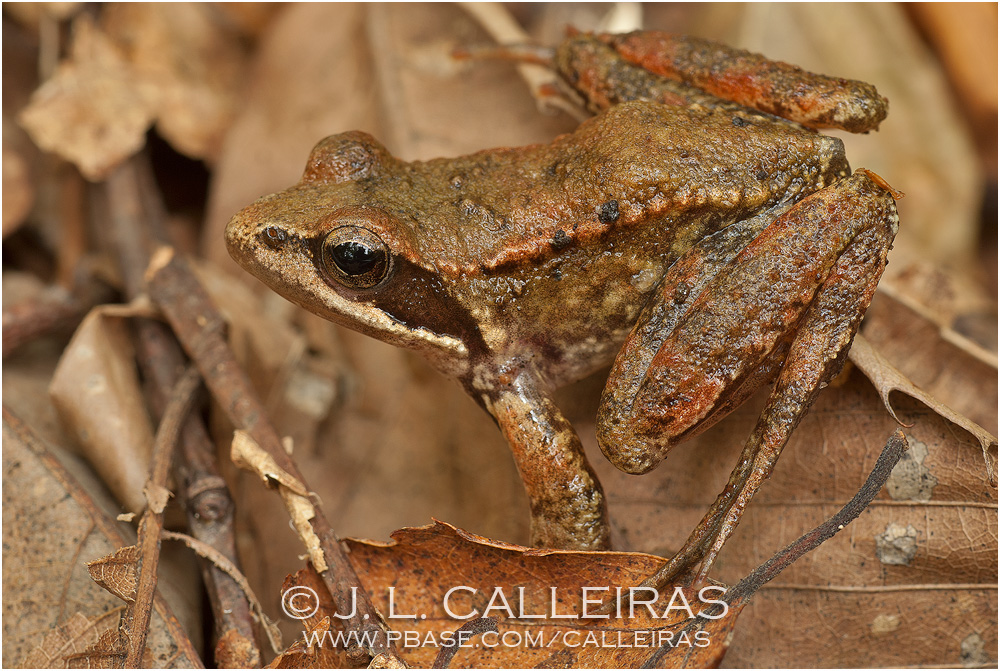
<point x="356" y="257"/>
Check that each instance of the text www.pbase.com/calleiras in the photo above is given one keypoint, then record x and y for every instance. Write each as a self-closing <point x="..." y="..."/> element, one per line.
<point x="513" y="638"/>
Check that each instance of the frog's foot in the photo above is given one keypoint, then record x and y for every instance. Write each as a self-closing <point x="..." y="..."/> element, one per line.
<point x="789" y="302"/>
<point x="568" y="509"/>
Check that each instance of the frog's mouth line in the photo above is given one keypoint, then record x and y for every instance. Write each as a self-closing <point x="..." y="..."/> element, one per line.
<point x="288" y="264"/>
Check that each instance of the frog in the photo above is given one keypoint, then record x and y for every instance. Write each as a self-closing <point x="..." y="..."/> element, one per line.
<point x="705" y="242"/>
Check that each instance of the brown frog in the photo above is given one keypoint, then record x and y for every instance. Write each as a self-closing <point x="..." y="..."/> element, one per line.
<point x="704" y="246"/>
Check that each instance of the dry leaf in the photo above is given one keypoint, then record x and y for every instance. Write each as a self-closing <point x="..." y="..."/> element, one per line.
<point x="311" y="609"/>
<point x="108" y="652"/>
<point x="916" y="342"/>
<point x="248" y="455"/>
<point x="430" y="580"/>
<point x="234" y="651"/>
<point x="175" y="65"/>
<point x="301" y="655"/>
<point x="96" y="391"/>
<point x="118" y="572"/>
<point x="71" y="638"/>
<point x="92" y="112"/>
<point x="190" y="61"/>
<point x="156" y="497"/>
<point x="50" y="528"/>
<point x="887" y="379"/>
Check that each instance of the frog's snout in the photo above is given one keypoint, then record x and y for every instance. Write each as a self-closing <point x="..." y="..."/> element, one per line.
<point x="250" y="230"/>
<point x="235" y="238"/>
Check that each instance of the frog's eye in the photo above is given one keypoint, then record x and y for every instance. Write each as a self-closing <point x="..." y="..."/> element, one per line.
<point x="356" y="257"/>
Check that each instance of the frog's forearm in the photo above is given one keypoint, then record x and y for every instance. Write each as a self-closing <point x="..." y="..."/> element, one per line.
<point x="568" y="509"/>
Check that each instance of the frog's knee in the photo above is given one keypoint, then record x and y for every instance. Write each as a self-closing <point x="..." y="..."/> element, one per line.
<point x="627" y="451"/>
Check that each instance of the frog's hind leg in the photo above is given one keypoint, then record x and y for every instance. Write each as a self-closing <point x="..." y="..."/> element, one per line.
<point x="816" y="354"/>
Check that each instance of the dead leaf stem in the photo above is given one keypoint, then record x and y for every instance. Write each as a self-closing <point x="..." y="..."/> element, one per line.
<point x="200" y="328"/>
<point x="891" y="454"/>
<point x="476" y="627"/>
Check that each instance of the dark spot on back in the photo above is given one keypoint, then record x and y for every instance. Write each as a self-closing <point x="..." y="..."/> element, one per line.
<point x="608" y="212"/>
<point x="560" y="240"/>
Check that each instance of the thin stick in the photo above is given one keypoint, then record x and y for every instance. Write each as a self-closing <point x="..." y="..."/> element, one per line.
<point x="480" y="625"/>
<point x="891" y="454"/>
<point x="738" y="595"/>
<point x="137" y="615"/>
<point x="136" y="213"/>
<point x="200" y="328"/>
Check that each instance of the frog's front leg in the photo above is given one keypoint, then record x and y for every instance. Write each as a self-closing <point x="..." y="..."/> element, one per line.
<point x="788" y="303"/>
<point x="568" y="509"/>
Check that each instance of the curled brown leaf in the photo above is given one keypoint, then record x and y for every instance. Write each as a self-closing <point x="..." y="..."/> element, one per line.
<point x="888" y="379"/>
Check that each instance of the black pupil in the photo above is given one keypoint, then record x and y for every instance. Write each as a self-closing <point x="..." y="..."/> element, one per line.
<point x="355" y="258"/>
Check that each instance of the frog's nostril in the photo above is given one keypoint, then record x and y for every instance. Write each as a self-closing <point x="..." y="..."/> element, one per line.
<point x="273" y="237"/>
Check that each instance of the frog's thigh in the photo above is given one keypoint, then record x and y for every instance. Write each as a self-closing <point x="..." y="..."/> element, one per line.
<point x="727" y="339"/>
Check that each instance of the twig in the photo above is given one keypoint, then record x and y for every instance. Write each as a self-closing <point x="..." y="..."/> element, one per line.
<point x="891" y="454"/>
<point x="200" y="327"/>
<point x="137" y="615"/>
<point x="134" y="212"/>
<point x="24" y="322"/>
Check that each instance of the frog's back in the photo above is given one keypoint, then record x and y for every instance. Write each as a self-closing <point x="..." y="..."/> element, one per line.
<point x="639" y="163"/>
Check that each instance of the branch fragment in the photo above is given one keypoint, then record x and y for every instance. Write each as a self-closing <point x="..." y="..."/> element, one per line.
<point x="200" y="329"/>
